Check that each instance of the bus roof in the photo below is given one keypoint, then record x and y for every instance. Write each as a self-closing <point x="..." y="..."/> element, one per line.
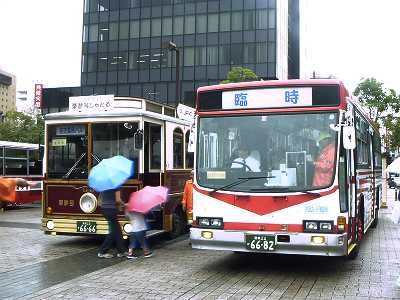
<point x="271" y="83"/>
<point x="124" y="107"/>
<point x="18" y="145"/>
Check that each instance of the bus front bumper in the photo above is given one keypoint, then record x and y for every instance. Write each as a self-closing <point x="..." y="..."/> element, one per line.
<point x="294" y="243"/>
<point x="64" y="226"/>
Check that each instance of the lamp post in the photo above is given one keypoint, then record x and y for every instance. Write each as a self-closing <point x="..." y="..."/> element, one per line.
<point x="172" y="47"/>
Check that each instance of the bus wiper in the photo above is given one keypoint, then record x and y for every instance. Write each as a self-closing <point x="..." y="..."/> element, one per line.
<point x="272" y="189"/>
<point x="239" y="181"/>
<point x="66" y="176"/>
<point x="96" y="158"/>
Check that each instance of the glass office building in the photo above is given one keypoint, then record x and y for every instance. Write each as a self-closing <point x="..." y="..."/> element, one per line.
<point x="125" y="52"/>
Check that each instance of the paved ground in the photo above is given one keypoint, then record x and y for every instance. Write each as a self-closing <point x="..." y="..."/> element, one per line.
<point x="68" y="269"/>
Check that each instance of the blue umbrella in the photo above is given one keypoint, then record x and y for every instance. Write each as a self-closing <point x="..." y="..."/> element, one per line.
<point x="110" y="173"/>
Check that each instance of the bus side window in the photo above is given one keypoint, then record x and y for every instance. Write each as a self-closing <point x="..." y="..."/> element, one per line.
<point x="343" y="182"/>
<point x="153" y="151"/>
<point x="178" y="148"/>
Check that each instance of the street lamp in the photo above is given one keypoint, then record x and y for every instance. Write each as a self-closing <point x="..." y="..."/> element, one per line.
<point x="172" y="47"/>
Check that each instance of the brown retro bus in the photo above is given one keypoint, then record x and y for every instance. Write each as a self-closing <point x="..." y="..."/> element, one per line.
<point x="98" y="127"/>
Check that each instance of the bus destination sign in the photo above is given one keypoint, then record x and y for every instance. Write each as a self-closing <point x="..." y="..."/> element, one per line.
<point x="266" y="98"/>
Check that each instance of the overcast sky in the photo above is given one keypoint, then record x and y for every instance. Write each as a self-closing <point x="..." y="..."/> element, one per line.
<point x="350" y="39"/>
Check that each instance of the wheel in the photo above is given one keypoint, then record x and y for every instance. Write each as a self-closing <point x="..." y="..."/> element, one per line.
<point x="3" y="204"/>
<point x="178" y="224"/>
<point x="359" y="232"/>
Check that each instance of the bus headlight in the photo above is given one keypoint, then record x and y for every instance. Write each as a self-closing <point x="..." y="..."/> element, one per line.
<point x="210" y="222"/>
<point x="50" y="225"/>
<point x="88" y="203"/>
<point x="310" y="225"/>
<point x="127" y="227"/>
<point x="317" y="226"/>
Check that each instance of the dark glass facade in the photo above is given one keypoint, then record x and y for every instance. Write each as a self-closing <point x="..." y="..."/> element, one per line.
<point x="124" y="45"/>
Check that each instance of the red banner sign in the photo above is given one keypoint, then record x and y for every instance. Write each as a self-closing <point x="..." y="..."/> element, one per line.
<point x="38" y="95"/>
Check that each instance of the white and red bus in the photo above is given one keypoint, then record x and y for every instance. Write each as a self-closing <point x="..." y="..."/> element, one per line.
<point x="22" y="160"/>
<point x="151" y="134"/>
<point x="279" y="203"/>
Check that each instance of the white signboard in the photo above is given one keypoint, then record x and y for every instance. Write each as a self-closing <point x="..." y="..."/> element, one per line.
<point x="185" y="112"/>
<point x="265" y="98"/>
<point x="91" y="103"/>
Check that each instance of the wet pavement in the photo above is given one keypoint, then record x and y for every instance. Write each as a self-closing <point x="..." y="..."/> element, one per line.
<point x="36" y="266"/>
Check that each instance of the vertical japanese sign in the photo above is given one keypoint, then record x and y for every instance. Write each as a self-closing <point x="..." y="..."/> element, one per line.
<point x="38" y="95"/>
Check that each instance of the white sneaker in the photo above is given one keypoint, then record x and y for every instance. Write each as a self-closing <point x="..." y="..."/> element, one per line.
<point x="105" y="255"/>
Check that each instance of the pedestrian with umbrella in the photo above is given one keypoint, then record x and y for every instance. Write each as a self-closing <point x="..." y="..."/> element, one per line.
<point x="106" y="178"/>
<point x="140" y="203"/>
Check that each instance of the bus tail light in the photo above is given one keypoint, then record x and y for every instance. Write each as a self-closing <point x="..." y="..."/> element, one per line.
<point x="341" y="223"/>
<point x="49" y="210"/>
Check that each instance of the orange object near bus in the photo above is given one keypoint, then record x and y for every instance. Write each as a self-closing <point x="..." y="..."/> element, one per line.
<point x="7" y="189"/>
<point x="187" y="199"/>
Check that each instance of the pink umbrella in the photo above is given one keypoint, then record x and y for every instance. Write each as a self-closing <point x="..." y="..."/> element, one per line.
<point x="147" y="198"/>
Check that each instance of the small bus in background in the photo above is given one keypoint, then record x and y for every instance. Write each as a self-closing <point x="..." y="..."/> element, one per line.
<point x="22" y="160"/>
<point x="282" y="200"/>
<point x="99" y="127"/>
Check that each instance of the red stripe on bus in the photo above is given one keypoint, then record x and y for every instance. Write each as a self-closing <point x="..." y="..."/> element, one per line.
<point x="263" y="227"/>
<point x="262" y="205"/>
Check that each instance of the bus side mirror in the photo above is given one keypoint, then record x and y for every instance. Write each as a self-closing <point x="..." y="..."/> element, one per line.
<point x="349" y="137"/>
<point x="138" y="139"/>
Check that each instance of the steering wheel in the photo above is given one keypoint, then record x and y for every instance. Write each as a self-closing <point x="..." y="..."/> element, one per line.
<point x="243" y="164"/>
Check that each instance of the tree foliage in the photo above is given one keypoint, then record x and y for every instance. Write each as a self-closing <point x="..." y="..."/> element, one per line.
<point x="240" y="74"/>
<point x="21" y="127"/>
<point x="382" y="105"/>
<point x="376" y="98"/>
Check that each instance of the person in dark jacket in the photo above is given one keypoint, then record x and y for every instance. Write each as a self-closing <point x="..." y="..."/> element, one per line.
<point x="110" y="200"/>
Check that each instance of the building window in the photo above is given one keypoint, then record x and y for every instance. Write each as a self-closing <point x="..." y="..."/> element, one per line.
<point x="237" y="21"/>
<point x="104" y="32"/>
<point x="113" y="31"/>
<point x="143" y="59"/>
<point x="212" y="55"/>
<point x="134" y="29"/>
<point x="224" y="58"/>
<point x="271" y="18"/>
<point x="91" y="63"/>
<point x="190" y="24"/>
<point x="156" y="27"/>
<point x="102" y="62"/>
<point x="167" y="26"/>
<point x="225" y="22"/>
<point x="249" y="20"/>
<point x="133" y="60"/>
<point x="249" y="53"/>
<point x="93" y="32"/>
<point x="261" y="53"/>
<point x="188" y="53"/>
<point x="262" y="19"/>
<point x="236" y="54"/>
<point x="178" y="25"/>
<point x="201" y="23"/>
<point x="213" y="23"/>
<point x="178" y="148"/>
<point x="145" y="28"/>
<point x="124" y="30"/>
<point x="201" y="56"/>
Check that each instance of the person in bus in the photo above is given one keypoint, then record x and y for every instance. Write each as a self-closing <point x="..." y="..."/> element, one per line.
<point x="247" y="161"/>
<point x="325" y="162"/>
<point x="110" y="202"/>
<point x="8" y="187"/>
<point x="187" y="199"/>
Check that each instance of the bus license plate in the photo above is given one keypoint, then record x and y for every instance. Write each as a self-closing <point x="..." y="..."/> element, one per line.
<point x="260" y="242"/>
<point x="86" y="226"/>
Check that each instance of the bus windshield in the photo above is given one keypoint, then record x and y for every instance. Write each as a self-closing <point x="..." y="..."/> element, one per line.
<point x="67" y="154"/>
<point x="267" y="153"/>
<point x="110" y="139"/>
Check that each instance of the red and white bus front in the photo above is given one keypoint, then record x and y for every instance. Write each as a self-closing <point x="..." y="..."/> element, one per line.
<point x="267" y="181"/>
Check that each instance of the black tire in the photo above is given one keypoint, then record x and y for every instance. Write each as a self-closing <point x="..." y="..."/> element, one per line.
<point x="178" y="224"/>
<point x="3" y="204"/>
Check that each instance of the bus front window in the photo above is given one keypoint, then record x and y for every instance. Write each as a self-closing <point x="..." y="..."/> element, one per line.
<point x="110" y="139"/>
<point x="67" y="154"/>
<point x="291" y="152"/>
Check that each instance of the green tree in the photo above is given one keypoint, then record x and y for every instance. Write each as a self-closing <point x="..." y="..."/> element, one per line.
<point x="377" y="99"/>
<point x="21" y="127"/>
<point x="239" y="74"/>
